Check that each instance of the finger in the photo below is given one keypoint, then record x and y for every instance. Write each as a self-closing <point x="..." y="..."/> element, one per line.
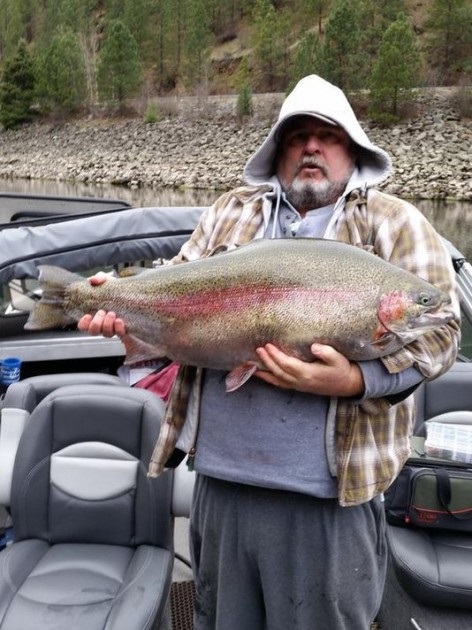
<point x="267" y="359"/>
<point x="108" y="324"/>
<point x="84" y="323"/>
<point x="96" y="323"/>
<point x="97" y="280"/>
<point x="273" y="355"/>
<point x="113" y="325"/>
<point x="279" y="371"/>
<point x="272" y="379"/>
<point x="120" y="327"/>
<point x="324" y="353"/>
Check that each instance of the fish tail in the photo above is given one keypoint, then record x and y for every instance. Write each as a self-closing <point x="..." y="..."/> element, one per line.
<point x="49" y="311"/>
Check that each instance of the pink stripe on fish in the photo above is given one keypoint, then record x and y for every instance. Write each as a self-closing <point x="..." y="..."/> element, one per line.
<point x="233" y="298"/>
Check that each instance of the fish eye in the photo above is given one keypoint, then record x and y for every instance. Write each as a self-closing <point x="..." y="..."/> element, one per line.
<point x="425" y="299"/>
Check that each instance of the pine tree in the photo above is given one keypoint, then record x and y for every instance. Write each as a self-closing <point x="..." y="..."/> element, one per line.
<point x="119" y="68"/>
<point x="343" y="61"/>
<point x="66" y="14"/>
<point x="316" y="8"/>
<point x="17" y="89"/>
<point x="306" y="58"/>
<point x="61" y="74"/>
<point x="197" y="45"/>
<point x="244" y="106"/>
<point x="12" y="27"/>
<point x="268" y="44"/>
<point x="375" y="17"/>
<point x="395" y="71"/>
<point x="139" y="16"/>
<point x="449" y="44"/>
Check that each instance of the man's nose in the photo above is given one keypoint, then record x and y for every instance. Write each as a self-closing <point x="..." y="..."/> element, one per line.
<point x="312" y="144"/>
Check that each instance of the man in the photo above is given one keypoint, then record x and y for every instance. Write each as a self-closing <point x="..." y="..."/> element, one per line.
<point x="287" y="527"/>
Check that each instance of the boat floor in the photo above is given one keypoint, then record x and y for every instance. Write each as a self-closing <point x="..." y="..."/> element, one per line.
<point x="182" y="596"/>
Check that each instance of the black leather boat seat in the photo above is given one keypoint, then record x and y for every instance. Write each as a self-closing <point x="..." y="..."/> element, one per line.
<point x="93" y="535"/>
<point x="434" y="566"/>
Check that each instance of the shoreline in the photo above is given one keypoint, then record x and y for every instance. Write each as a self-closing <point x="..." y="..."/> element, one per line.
<point x="200" y="145"/>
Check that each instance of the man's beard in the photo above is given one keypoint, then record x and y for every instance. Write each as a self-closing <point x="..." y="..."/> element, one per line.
<point x="312" y="194"/>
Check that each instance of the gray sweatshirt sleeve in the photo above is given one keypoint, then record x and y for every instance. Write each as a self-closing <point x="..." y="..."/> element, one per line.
<point x="379" y="383"/>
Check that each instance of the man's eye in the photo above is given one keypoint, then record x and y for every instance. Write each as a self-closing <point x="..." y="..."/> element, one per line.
<point x="297" y="139"/>
<point x="329" y="136"/>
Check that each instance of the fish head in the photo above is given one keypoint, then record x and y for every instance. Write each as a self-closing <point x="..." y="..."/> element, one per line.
<point x="410" y="311"/>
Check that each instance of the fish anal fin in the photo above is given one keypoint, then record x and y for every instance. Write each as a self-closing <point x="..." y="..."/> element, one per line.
<point x="138" y="350"/>
<point x="383" y="342"/>
<point x="239" y="375"/>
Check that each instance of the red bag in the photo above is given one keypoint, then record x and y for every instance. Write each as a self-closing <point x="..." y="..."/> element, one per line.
<point x="160" y="382"/>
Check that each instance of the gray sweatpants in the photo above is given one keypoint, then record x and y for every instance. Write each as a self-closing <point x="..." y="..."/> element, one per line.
<point x="275" y="560"/>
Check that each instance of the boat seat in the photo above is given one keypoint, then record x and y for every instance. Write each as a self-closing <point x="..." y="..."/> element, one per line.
<point x="19" y="401"/>
<point x="93" y="535"/>
<point x="434" y="566"/>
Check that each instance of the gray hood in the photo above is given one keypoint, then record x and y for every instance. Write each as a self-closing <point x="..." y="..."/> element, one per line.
<point x="316" y="97"/>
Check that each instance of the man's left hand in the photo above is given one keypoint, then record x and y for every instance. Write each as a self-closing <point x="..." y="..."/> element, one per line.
<point x="330" y="374"/>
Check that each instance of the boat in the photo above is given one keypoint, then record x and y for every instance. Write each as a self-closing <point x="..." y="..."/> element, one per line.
<point x="86" y="235"/>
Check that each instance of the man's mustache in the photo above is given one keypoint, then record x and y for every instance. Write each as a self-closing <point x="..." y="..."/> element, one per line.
<point x="311" y="161"/>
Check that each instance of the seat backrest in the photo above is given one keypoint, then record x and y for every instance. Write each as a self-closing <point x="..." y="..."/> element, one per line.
<point x="80" y="473"/>
<point x="450" y="392"/>
<point x="20" y="400"/>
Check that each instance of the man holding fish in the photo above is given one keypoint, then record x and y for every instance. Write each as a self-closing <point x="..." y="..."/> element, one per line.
<point x="287" y="527"/>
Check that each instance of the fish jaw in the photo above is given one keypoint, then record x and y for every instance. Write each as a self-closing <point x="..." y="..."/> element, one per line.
<point x="402" y="312"/>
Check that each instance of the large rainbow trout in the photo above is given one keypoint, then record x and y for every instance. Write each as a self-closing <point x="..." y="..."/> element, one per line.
<point x="215" y="311"/>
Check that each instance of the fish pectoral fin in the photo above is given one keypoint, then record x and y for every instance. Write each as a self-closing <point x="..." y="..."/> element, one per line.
<point x="384" y="342"/>
<point x="138" y="350"/>
<point x="239" y="375"/>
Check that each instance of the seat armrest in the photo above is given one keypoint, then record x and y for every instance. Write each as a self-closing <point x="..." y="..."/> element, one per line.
<point x="182" y="490"/>
<point x="12" y="424"/>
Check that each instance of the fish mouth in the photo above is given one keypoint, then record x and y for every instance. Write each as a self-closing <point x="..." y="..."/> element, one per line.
<point x="432" y="318"/>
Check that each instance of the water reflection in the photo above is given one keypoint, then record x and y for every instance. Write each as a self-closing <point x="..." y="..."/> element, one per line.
<point x="452" y="219"/>
<point x="138" y="197"/>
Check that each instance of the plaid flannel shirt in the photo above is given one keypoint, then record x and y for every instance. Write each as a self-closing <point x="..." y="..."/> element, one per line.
<point x="372" y="437"/>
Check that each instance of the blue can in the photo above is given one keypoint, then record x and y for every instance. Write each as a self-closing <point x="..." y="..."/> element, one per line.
<point x="10" y="370"/>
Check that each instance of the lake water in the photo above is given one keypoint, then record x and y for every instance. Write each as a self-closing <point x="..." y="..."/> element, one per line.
<point x="452" y="219"/>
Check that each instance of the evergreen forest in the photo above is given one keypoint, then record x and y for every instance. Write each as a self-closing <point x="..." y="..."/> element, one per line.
<point x="79" y="57"/>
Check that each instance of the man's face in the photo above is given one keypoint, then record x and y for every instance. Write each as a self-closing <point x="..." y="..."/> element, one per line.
<point x="314" y="163"/>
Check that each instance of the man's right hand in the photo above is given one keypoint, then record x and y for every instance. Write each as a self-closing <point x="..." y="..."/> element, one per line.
<point x="102" y="323"/>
